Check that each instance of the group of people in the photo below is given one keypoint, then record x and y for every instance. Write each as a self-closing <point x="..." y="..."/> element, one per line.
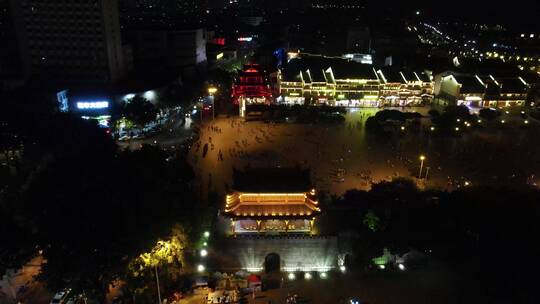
<point x="291" y="299"/>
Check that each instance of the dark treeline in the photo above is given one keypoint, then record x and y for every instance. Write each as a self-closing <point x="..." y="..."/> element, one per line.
<point x="488" y="235"/>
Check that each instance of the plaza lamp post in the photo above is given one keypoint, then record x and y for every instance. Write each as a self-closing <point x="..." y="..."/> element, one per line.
<point x="427" y="172"/>
<point x="157" y="284"/>
<point x="212" y="91"/>
<point x="422" y="158"/>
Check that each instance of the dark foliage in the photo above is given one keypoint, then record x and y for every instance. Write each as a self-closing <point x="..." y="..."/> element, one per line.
<point x="140" y="111"/>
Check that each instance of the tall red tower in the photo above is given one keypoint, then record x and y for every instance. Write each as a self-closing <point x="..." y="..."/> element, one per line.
<point x="251" y="87"/>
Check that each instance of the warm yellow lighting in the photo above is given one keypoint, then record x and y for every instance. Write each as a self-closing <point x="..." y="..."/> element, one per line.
<point x="422" y="157"/>
<point x="212" y="90"/>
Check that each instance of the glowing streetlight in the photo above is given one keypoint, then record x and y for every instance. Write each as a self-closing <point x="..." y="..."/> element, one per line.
<point x="432" y="128"/>
<point x="526" y="122"/>
<point x="307" y="276"/>
<point x="382" y="266"/>
<point x="211" y="92"/>
<point x="206" y="234"/>
<point x="324" y="275"/>
<point x="402" y="128"/>
<point x="204" y="252"/>
<point x="291" y="276"/>
<point x="342" y="268"/>
<point x="401" y="266"/>
<point x="422" y="158"/>
<point x="200" y="268"/>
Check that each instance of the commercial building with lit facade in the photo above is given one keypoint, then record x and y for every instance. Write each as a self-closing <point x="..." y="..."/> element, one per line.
<point x="342" y="81"/>
<point x="480" y="91"/>
<point x="405" y="87"/>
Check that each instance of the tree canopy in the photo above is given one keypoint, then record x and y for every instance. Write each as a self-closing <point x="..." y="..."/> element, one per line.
<point x="140" y="111"/>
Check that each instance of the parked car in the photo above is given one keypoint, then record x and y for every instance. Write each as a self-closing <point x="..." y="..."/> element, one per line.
<point x="60" y="297"/>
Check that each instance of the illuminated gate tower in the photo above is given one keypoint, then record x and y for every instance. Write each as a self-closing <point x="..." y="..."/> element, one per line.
<point x="271" y="215"/>
<point x="251" y="87"/>
<point x="272" y="201"/>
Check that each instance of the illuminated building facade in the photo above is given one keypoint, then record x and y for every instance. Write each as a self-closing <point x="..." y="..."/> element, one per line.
<point x="511" y="92"/>
<point x="337" y="81"/>
<point x="481" y="91"/>
<point x="404" y="88"/>
<point x="270" y="201"/>
<point x="251" y="87"/>
<point x="270" y="215"/>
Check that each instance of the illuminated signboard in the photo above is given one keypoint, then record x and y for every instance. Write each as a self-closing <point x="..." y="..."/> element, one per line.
<point x="85" y="105"/>
<point x="63" y="101"/>
<point x="247" y="39"/>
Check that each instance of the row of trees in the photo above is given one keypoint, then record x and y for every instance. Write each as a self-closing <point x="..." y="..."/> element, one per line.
<point x="451" y="121"/>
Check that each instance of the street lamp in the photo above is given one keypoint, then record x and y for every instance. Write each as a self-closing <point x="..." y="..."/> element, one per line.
<point x="422" y="158"/>
<point x="211" y="92"/>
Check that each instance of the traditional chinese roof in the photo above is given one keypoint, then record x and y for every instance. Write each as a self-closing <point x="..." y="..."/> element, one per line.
<point x="390" y="75"/>
<point x="326" y="69"/>
<point x="272" y="180"/>
<point x="272" y="192"/>
<point x="273" y="205"/>
<point x="470" y="84"/>
<point x="513" y="85"/>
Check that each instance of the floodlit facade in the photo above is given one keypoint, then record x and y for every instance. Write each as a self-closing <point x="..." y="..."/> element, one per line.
<point x="261" y="204"/>
<point x="270" y="215"/>
<point x="481" y="91"/>
<point x="251" y="87"/>
<point x="404" y="88"/>
<point x="344" y="82"/>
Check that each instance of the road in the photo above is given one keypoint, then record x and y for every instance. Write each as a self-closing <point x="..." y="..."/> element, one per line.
<point x="174" y="132"/>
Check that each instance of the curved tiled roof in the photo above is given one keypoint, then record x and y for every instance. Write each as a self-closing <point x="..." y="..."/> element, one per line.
<point x="271" y="205"/>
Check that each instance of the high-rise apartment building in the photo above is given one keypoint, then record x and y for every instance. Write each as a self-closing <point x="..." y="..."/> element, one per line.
<point x="70" y="41"/>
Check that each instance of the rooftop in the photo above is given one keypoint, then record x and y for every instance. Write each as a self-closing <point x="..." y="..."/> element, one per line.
<point x="319" y="65"/>
<point x="272" y="180"/>
<point x="273" y="205"/>
<point x="470" y="84"/>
